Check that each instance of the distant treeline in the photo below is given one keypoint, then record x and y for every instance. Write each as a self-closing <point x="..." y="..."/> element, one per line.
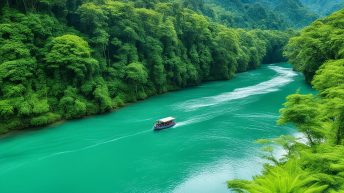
<point x="265" y="14"/>
<point x="262" y="14"/>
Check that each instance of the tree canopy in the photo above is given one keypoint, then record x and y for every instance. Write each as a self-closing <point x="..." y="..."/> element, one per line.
<point x="68" y="59"/>
<point x="317" y="163"/>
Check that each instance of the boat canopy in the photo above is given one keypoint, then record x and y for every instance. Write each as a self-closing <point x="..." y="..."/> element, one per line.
<point x="165" y="120"/>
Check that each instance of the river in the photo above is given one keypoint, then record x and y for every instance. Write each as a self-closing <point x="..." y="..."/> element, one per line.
<point x="213" y="141"/>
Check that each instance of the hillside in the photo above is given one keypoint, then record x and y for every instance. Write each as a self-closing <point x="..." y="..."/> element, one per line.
<point x="323" y="7"/>
<point x="316" y="162"/>
<point x="69" y="59"/>
<point x="263" y="14"/>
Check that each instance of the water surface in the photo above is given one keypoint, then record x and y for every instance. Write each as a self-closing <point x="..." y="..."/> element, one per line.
<point x="213" y="141"/>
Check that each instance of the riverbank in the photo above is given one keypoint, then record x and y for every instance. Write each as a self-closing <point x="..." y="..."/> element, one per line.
<point x="75" y="69"/>
<point x="213" y="141"/>
<point x="13" y="132"/>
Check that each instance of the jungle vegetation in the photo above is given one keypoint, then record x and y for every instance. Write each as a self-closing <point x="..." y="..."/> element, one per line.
<point x="316" y="163"/>
<point x="323" y="7"/>
<point x="265" y="14"/>
<point x="275" y="14"/>
<point x="66" y="59"/>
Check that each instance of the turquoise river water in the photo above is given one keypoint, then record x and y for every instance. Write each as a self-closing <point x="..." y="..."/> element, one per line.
<point x="213" y="141"/>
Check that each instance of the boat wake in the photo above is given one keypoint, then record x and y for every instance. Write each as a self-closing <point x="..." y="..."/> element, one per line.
<point x="76" y="150"/>
<point x="195" y="119"/>
<point x="95" y="145"/>
<point x="285" y="76"/>
<point x="205" y="117"/>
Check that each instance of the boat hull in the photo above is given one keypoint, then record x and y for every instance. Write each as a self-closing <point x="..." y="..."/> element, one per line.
<point x="156" y="128"/>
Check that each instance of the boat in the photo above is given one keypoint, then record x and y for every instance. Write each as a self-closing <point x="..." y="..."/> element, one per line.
<point x="164" y="123"/>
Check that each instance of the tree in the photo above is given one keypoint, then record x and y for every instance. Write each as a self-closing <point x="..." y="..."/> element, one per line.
<point x="284" y="179"/>
<point x="69" y="57"/>
<point x="136" y="75"/>
<point x="320" y="118"/>
<point x="85" y="57"/>
<point x="316" y="44"/>
<point x="304" y="112"/>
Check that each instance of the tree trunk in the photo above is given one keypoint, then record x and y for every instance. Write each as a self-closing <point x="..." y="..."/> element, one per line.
<point x="105" y="55"/>
<point x="108" y="54"/>
<point x="309" y="137"/>
<point x="24" y="4"/>
<point x="340" y="129"/>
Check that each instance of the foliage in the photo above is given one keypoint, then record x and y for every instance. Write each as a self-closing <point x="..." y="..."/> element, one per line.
<point x="262" y="14"/>
<point x="317" y="43"/>
<point x="323" y="7"/>
<point x="284" y="179"/>
<point x="318" y="161"/>
<point x="68" y="59"/>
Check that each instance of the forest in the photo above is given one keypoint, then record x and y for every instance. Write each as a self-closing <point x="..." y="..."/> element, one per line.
<point x="323" y="7"/>
<point x="252" y="14"/>
<point x="265" y="14"/>
<point x="69" y="59"/>
<point x="316" y="164"/>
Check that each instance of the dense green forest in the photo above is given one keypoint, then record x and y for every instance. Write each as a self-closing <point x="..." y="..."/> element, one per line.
<point x="265" y="14"/>
<point x="262" y="14"/>
<point x="317" y="164"/>
<point x="67" y="59"/>
<point x="73" y="58"/>
<point x="323" y="7"/>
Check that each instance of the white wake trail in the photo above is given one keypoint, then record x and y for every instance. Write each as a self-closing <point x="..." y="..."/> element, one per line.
<point x="285" y="76"/>
<point x="197" y="119"/>
<point x="94" y="145"/>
